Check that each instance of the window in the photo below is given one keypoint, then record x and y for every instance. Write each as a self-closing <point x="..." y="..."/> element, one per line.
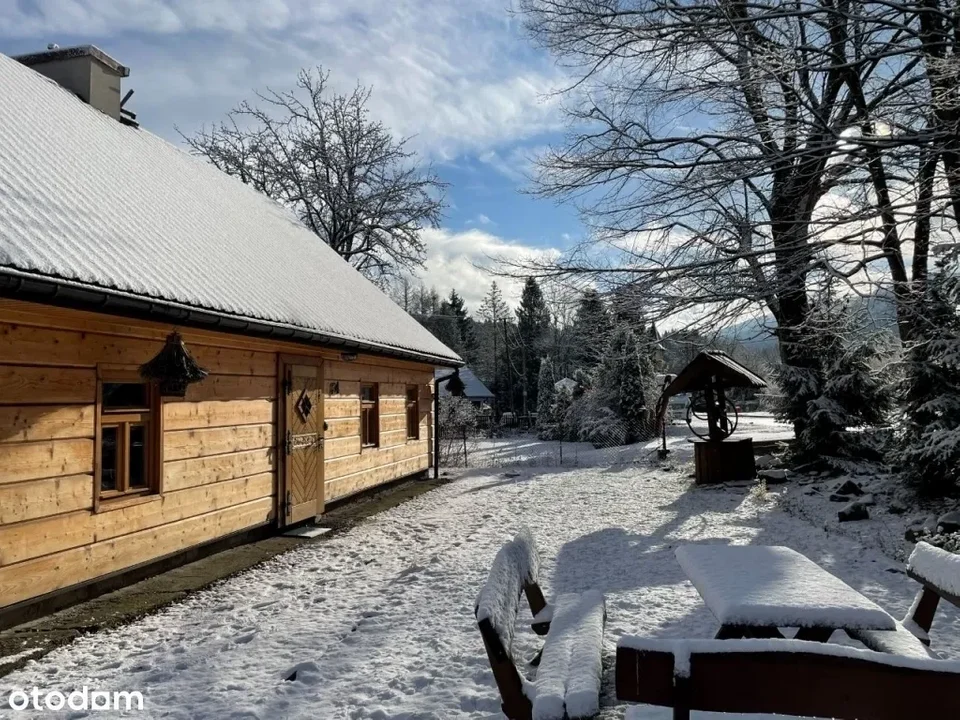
<point x="413" y="412"/>
<point x="128" y="436"/>
<point x="369" y="416"/>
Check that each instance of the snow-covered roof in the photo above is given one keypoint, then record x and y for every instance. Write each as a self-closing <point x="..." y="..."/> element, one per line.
<point x="473" y="387"/>
<point x="93" y="204"/>
<point x="565" y="384"/>
<point x="714" y="364"/>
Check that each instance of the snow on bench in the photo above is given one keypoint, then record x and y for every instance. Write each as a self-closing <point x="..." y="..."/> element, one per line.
<point x="939" y="572"/>
<point x="937" y="567"/>
<point x="568" y="679"/>
<point x="515" y="567"/>
<point x="902" y="641"/>
<point x="568" y="683"/>
<point x="772" y="586"/>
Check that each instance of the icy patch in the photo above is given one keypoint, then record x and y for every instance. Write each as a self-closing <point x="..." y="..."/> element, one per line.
<point x="938" y="567"/>
<point x="568" y="680"/>
<point x="515" y="564"/>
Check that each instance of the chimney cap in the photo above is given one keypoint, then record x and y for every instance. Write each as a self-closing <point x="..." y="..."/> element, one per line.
<point x="59" y="53"/>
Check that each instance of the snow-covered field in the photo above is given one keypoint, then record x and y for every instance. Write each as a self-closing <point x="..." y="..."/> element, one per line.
<point x="378" y="621"/>
<point x="526" y="449"/>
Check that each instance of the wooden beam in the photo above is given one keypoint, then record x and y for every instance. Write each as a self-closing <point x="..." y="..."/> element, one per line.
<point x="19" y="423"/>
<point x="50" y="496"/>
<point x="204" y="442"/>
<point x="181" y="415"/>
<point x="31" y="578"/>
<point x="180" y="474"/>
<point x="45" y="459"/>
<point x="25" y="385"/>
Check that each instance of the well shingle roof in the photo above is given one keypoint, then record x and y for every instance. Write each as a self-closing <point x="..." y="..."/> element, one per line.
<point x="102" y="205"/>
<point x="713" y="364"/>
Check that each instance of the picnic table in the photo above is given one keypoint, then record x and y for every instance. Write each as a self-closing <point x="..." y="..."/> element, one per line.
<point x="755" y="590"/>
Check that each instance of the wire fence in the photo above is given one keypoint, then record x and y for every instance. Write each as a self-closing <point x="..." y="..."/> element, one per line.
<point x="465" y="446"/>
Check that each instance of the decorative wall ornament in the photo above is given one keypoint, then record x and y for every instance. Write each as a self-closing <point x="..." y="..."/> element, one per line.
<point x="173" y="368"/>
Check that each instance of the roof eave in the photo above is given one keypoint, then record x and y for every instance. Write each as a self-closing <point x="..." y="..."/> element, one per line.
<point x="62" y="292"/>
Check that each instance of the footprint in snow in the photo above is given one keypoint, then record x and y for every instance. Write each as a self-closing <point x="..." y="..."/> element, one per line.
<point x="307" y="673"/>
<point x="245" y="638"/>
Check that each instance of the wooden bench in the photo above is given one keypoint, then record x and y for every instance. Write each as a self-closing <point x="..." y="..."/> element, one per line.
<point x="938" y="573"/>
<point x="788" y="677"/>
<point x="568" y="678"/>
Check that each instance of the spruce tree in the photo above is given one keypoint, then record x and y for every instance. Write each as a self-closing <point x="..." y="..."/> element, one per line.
<point x="465" y="330"/>
<point x="929" y="440"/>
<point x="491" y="367"/>
<point x="591" y="330"/>
<point x="631" y="403"/>
<point x="546" y="394"/>
<point x="493" y="309"/>
<point x="562" y="404"/>
<point x="847" y="392"/>
<point x="533" y="325"/>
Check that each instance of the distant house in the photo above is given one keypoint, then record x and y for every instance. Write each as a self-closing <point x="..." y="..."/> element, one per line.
<point x="182" y="362"/>
<point x="568" y="384"/>
<point x="474" y="390"/>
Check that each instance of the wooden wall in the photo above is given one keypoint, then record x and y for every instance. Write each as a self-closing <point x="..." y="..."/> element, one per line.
<point x="348" y="468"/>
<point x="220" y="468"/>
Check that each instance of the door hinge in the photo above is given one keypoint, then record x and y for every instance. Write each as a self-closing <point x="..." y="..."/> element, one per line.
<point x="288" y="510"/>
<point x="288" y="445"/>
<point x="287" y="384"/>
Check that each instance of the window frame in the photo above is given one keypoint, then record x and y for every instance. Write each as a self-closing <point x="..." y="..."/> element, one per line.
<point x="412" y="411"/>
<point x="150" y="417"/>
<point x="373" y="408"/>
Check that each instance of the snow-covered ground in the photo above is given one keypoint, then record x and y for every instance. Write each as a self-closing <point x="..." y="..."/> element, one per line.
<point x="526" y="449"/>
<point x="378" y="621"/>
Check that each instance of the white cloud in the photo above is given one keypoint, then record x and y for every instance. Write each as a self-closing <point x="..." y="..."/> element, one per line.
<point x="480" y="219"/>
<point x="462" y="261"/>
<point x="459" y="76"/>
<point x="517" y="163"/>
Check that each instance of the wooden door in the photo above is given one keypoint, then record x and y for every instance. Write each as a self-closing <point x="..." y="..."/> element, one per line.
<point x="303" y="444"/>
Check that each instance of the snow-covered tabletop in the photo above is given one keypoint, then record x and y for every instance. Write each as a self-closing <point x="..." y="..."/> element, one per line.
<point x="772" y="586"/>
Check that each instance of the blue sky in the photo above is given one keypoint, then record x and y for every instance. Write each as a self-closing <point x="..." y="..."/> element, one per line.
<point x="457" y="74"/>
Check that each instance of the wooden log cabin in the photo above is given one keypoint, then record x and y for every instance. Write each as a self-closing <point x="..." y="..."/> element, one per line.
<point x="116" y="247"/>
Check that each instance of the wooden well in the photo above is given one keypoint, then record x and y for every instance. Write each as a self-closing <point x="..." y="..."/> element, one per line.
<point x="724" y="461"/>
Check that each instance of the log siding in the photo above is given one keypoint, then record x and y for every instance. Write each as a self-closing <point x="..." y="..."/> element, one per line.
<point x="221" y="470"/>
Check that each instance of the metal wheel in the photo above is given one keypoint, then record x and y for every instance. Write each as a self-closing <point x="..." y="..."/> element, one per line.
<point x="732" y="415"/>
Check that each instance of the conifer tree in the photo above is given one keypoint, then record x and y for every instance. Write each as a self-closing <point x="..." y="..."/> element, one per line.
<point x="628" y="377"/>
<point x="848" y="392"/>
<point x="591" y="330"/>
<point x="533" y="325"/>
<point x="546" y="394"/>
<point x="928" y="448"/>
<point x="465" y="329"/>
<point x="492" y="342"/>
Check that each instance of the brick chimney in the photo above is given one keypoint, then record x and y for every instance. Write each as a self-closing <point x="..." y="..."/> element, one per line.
<point x="85" y="70"/>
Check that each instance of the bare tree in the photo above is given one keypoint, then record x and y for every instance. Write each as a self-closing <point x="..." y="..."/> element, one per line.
<point x="345" y="175"/>
<point x="730" y="155"/>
